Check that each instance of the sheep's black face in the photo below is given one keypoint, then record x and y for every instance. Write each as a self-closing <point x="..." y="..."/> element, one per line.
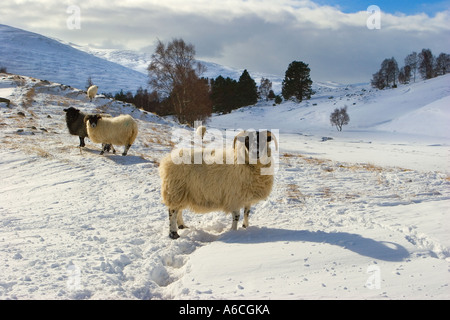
<point x="93" y="120"/>
<point x="71" y="113"/>
<point x="256" y="143"/>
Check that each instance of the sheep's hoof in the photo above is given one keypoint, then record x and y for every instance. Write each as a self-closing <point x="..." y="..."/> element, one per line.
<point x="101" y="153"/>
<point x="182" y="227"/>
<point x="124" y="154"/>
<point x="244" y="226"/>
<point x="174" y="235"/>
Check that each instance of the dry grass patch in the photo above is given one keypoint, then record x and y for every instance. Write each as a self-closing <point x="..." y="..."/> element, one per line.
<point x="29" y="98"/>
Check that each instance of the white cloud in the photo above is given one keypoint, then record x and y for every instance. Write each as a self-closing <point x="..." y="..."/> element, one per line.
<point x="263" y="35"/>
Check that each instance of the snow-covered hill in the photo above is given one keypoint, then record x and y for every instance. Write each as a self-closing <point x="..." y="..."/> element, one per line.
<point x="30" y="54"/>
<point x="139" y="61"/>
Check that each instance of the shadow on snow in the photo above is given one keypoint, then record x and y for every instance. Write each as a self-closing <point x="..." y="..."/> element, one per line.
<point x="381" y="250"/>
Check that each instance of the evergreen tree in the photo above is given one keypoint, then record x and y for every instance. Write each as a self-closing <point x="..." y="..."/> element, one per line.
<point x="297" y="82"/>
<point x="120" y="96"/>
<point x="271" y="95"/>
<point x="247" y="90"/>
<point x="224" y="94"/>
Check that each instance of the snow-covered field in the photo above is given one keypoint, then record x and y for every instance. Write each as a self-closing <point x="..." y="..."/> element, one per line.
<point x="361" y="216"/>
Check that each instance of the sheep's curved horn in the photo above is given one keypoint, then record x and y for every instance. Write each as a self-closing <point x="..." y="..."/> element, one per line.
<point x="272" y="137"/>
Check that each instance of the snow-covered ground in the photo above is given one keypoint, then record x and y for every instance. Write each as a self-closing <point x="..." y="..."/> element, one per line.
<point x="361" y="216"/>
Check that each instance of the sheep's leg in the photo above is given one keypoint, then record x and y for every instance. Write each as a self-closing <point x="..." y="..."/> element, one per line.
<point x="82" y="142"/>
<point x="236" y="215"/>
<point x="173" y="214"/>
<point x="104" y="148"/>
<point x="127" y="147"/>
<point x="180" y="221"/>
<point x="246" y="214"/>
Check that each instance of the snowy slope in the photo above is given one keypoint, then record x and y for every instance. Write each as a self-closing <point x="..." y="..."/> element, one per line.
<point x="77" y="225"/>
<point x="34" y="55"/>
<point x="410" y="124"/>
<point x="139" y="61"/>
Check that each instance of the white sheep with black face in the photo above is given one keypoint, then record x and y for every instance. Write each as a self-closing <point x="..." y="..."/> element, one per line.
<point x="121" y="130"/>
<point x="207" y="187"/>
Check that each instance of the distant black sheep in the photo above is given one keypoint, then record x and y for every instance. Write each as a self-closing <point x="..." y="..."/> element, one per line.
<point x="77" y="125"/>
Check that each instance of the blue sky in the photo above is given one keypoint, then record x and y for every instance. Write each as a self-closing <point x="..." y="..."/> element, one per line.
<point x="430" y="7"/>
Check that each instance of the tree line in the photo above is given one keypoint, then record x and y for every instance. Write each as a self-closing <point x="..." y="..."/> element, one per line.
<point x="423" y="64"/>
<point x="180" y="90"/>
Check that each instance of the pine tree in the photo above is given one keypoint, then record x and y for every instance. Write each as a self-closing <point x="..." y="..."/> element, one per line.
<point x="224" y="94"/>
<point x="247" y="90"/>
<point x="297" y="82"/>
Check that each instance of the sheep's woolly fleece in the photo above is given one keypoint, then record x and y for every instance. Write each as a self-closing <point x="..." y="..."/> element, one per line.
<point x="121" y="130"/>
<point x="92" y="91"/>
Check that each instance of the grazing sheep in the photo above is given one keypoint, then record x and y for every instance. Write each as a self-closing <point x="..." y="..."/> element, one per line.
<point x="92" y="91"/>
<point x="217" y="187"/>
<point x="76" y="124"/>
<point x="121" y="130"/>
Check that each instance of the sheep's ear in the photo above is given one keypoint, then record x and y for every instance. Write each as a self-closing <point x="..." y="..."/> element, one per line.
<point x="239" y="137"/>
<point x="247" y="143"/>
<point x="65" y="110"/>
